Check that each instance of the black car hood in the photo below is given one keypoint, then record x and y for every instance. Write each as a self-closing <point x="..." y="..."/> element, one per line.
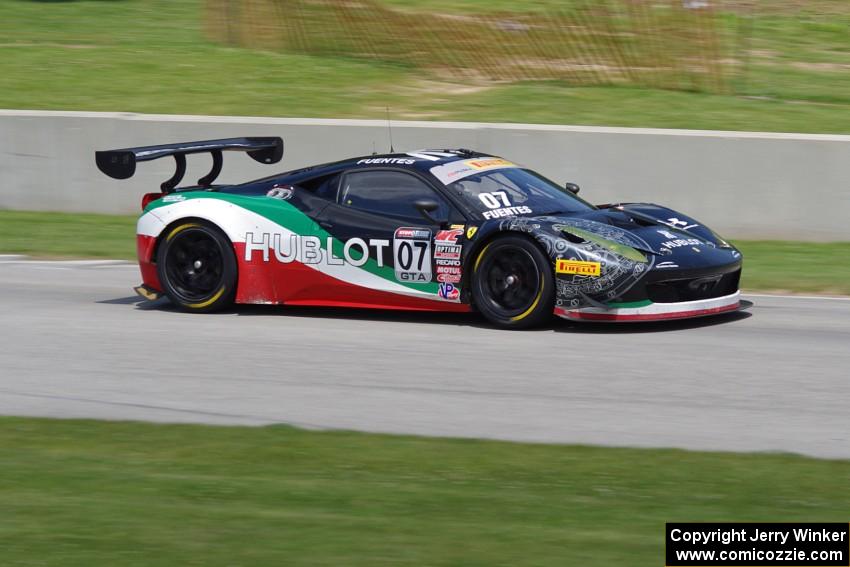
<point x="687" y="248"/>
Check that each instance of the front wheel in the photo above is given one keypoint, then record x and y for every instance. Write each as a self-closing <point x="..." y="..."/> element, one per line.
<point x="197" y="267"/>
<point x="513" y="285"/>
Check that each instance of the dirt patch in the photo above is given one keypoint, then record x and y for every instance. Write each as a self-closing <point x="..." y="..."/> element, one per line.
<point x="764" y="53"/>
<point x="451" y="88"/>
<point x="820" y="66"/>
<point x="785" y="7"/>
<point x="51" y="45"/>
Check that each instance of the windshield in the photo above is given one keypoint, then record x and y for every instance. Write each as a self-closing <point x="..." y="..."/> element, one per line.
<point x="515" y="192"/>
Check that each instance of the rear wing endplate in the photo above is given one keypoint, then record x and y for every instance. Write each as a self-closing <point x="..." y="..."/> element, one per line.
<point x="121" y="164"/>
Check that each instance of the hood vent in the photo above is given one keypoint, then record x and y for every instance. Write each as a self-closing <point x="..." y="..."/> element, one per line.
<point x="575" y="239"/>
<point x="627" y="221"/>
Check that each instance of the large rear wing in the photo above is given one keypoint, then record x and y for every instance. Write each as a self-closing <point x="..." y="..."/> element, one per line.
<point x="121" y="164"/>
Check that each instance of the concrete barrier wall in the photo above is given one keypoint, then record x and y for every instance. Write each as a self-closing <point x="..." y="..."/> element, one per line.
<point x="745" y="185"/>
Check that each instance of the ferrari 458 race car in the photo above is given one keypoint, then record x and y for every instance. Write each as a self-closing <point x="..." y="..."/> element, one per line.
<point x="434" y="230"/>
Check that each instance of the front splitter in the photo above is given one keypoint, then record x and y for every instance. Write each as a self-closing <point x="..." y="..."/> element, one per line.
<point x="654" y="311"/>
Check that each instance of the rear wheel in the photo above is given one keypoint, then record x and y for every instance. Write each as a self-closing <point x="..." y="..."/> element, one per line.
<point x="197" y="267"/>
<point x="513" y="285"/>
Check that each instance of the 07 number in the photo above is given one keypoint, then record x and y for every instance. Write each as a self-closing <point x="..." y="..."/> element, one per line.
<point x="405" y="254"/>
<point x="491" y="202"/>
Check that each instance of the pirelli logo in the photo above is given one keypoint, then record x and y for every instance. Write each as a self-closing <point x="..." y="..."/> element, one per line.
<point x="578" y="268"/>
<point x="488" y="163"/>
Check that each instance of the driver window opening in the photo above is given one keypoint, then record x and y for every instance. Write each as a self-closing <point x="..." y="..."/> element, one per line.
<point x="388" y="193"/>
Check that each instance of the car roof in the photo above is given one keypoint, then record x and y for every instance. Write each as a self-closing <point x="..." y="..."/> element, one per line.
<point x="422" y="160"/>
<point x="419" y="160"/>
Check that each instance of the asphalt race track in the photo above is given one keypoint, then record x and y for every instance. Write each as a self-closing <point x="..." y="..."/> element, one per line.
<point x="77" y="343"/>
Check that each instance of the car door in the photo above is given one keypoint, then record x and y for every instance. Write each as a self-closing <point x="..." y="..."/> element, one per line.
<point x="374" y="211"/>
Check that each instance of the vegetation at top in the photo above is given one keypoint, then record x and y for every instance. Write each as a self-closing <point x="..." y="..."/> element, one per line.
<point x="155" y="56"/>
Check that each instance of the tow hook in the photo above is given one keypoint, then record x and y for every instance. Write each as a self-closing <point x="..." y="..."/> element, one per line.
<point x="147" y="292"/>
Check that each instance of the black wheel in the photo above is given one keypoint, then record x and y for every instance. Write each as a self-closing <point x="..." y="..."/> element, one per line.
<point x="513" y="285"/>
<point x="197" y="267"/>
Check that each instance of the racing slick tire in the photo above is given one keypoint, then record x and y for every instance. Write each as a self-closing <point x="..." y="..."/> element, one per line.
<point x="196" y="266"/>
<point x="513" y="285"/>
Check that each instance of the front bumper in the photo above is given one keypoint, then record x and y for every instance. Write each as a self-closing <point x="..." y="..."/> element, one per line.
<point x="649" y="311"/>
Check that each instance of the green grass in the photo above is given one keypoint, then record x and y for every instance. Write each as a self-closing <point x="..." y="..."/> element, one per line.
<point x="151" y="56"/>
<point x="795" y="266"/>
<point x="84" y="493"/>
<point x="67" y="235"/>
<point x="768" y="265"/>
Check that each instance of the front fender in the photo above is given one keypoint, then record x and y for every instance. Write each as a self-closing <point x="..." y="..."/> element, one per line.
<point x="592" y="262"/>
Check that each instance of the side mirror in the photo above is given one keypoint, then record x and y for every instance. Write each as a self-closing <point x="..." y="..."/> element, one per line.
<point x="572" y="188"/>
<point x="426" y="207"/>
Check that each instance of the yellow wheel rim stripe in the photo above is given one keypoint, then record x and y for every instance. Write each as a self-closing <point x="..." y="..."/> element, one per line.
<point x="480" y="255"/>
<point x="208" y="302"/>
<point x="528" y="311"/>
<point x="180" y="228"/>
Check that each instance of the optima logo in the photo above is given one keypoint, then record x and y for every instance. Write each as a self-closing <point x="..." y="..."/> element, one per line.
<point x="578" y="268"/>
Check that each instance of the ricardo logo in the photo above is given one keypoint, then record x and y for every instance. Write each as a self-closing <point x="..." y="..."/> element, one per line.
<point x="578" y="268"/>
